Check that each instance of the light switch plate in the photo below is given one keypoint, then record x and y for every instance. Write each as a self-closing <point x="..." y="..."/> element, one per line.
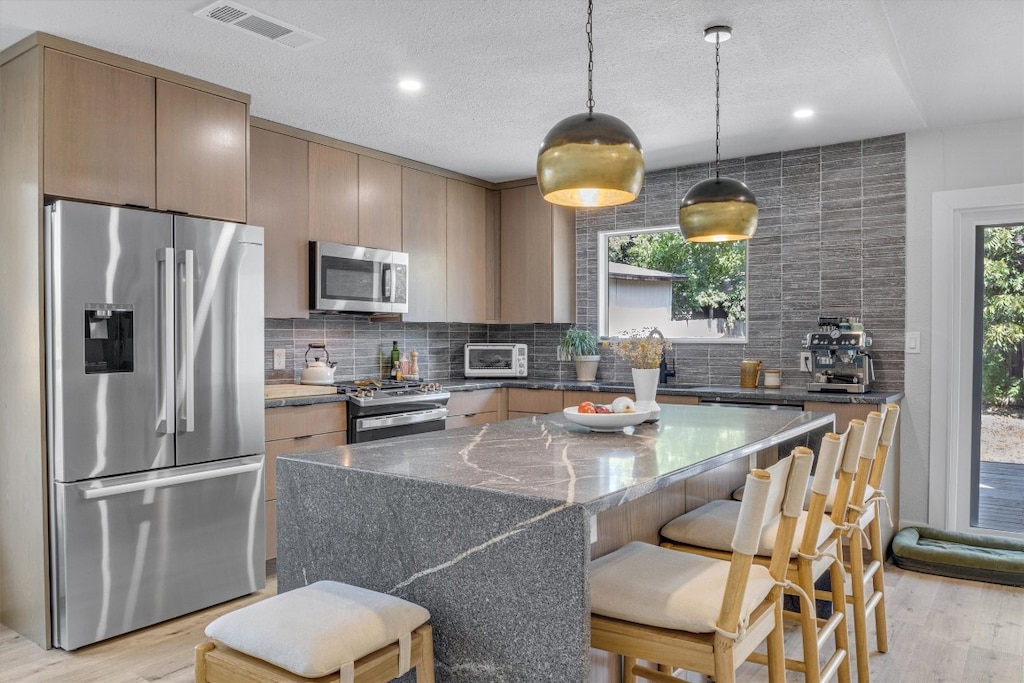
<point x="279" y="359"/>
<point x="913" y="343"/>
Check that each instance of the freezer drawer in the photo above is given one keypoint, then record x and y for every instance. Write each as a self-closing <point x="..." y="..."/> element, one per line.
<point x="135" y="550"/>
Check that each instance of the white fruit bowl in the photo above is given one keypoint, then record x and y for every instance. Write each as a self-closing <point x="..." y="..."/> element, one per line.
<point x="605" y="422"/>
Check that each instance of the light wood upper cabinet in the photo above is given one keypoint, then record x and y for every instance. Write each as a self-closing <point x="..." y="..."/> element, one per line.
<point x="279" y="201"/>
<point x="538" y="258"/>
<point x="423" y="236"/>
<point x="99" y="131"/>
<point x="333" y="195"/>
<point x="201" y="153"/>
<point x="380" y="204"/>
<point x="467" y="252"/>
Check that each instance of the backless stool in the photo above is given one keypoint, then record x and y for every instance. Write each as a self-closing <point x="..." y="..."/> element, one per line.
<point x="327" y="631"/>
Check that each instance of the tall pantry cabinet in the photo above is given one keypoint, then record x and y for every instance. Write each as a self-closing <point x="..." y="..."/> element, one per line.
<point x="84" y="124"/>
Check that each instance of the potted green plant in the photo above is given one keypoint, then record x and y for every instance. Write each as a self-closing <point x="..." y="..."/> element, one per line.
<point x="580" y="346"/>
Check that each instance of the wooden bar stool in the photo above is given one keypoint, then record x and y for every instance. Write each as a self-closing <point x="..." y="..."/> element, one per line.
<point x="813" y="549"/>
<point x="327" y="631"/>
<point x="867" y="586"/>
<point x="698" y="613"/>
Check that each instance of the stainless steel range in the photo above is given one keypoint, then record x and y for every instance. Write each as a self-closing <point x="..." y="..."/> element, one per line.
<point x="386" y="408"/>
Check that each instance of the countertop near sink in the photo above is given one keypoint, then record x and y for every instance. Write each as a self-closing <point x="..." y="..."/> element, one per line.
<point x="713" y="394"/>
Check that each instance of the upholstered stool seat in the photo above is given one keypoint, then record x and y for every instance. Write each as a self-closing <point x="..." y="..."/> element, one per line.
<point x="325" y="629"/>
<point x="647" y="584"/>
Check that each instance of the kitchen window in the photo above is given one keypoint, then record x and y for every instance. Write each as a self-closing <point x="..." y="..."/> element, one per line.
<point x="692" y="292"/>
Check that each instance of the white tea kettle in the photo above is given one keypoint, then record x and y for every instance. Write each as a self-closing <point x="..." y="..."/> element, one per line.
<point x="318" y="371"/>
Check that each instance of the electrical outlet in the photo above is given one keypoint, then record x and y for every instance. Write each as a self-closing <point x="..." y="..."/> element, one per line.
<point x="805" y="361"/>
<point x="279" y="359"/>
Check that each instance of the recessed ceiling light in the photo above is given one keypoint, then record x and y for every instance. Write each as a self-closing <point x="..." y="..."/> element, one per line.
<point x="410" y="84"/>
<point x="803" y="113"/>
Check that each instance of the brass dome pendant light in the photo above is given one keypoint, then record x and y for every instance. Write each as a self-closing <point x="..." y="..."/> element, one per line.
<point x="590" y="159"/>
<point x="718" y="209"/>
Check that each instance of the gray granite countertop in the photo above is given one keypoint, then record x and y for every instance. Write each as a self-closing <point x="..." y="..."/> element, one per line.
<point x="551" y="458"/>
<point x="784" y="396"/>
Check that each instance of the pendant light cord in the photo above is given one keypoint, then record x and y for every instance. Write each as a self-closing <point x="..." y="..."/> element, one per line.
<point x="718" y="116"/>
<point x="590" y="50"/>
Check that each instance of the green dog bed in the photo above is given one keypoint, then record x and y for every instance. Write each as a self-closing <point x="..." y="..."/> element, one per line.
<point x="963" y="556"/>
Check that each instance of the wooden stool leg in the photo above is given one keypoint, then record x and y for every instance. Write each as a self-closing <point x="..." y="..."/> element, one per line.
<point x="777" y="648"/>
<point x="809" y="622"/>
<point x="842" y="635"/>
<point x="878" y="581"/>
<point x="628" y="675"/>
<point x="201" y="650"/>
<point x="425" y="668"/>
<point x="860" y="630"/>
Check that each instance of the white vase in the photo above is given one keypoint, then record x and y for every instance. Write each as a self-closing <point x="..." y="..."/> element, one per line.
<point x="645" y="386"/>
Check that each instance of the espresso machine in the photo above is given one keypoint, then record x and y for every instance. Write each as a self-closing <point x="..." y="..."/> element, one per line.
<point x="839" y="360"/>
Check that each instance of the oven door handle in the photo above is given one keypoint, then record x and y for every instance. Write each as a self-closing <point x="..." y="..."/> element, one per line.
<point x="366" y="424"/>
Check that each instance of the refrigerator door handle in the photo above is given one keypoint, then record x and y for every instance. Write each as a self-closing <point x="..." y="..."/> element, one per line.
<point x="119" y="489"/>
<point x="187" y="345"/>
<point x="165" y="334"/>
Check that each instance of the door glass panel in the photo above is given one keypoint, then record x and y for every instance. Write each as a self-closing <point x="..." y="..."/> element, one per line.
<point x="997" y="471"/>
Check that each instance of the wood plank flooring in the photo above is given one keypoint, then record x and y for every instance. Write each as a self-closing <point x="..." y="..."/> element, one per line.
<point x="1001" y="496"/>
<point x="941" y="630"/>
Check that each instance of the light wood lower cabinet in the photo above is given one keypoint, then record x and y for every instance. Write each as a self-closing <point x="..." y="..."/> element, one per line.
<point x="295" y="429"/>
<point x="530" y="402"/>
<point x="482" y="406"/>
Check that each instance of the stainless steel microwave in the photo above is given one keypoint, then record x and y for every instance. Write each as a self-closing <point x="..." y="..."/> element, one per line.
<point x="496" y="360"/>
<point x="353" y="279"/>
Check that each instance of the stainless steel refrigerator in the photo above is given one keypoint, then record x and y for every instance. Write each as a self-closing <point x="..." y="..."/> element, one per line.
<point x="154" y="415"/>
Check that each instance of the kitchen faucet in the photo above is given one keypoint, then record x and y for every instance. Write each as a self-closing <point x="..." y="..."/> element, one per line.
<point x="663" y="372"/>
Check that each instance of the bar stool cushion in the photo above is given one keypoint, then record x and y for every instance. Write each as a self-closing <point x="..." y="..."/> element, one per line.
<point x="712" y="526"/>
<point x="315" y="630"/>
<point x="647" y="584"/>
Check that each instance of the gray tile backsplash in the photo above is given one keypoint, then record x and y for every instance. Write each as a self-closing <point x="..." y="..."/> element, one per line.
<point x="830" y="239"/>
<point x="357" y="346"/>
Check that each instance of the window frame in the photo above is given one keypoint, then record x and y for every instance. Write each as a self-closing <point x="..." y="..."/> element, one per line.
<point x="602" y="290"/>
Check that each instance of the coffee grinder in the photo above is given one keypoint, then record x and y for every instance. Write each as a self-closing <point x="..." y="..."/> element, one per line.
<point x="839" y="360"/>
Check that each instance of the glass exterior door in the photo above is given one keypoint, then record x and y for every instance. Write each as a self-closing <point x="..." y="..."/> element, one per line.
<point x="997" y="467"/>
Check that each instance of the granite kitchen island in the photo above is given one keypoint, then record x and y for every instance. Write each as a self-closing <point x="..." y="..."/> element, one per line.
<point x="492" y="527"/>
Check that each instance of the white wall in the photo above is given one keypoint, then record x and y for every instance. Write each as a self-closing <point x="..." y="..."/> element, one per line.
<point x="963" y="157"/>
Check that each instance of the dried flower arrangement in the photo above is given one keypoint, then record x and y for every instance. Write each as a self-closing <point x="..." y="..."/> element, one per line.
<point x="641" y="348"/>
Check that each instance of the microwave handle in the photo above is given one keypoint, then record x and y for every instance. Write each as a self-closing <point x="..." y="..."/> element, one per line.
<point x="388" y="274"/>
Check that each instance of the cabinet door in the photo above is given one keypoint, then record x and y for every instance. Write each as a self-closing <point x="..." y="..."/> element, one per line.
<point x="201" y="153"/>
<point x="534" y="401"/>
<point x="279" y="201"/>
<point x="538" y="265"/>
<point x="423" y="236"/>
<point x="380" y="204"/>
<point x="333" y="195"/>
<point x="467" y="253"/>
<point x="99" y="132"/>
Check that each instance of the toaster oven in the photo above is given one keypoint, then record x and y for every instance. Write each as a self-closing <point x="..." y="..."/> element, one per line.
<point x="495" y="360"/>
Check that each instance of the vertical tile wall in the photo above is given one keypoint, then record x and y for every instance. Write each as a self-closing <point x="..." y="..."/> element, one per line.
<point x="830" y="240"/>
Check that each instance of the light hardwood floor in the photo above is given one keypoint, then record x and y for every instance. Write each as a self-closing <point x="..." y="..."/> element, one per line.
<point x="940" y="631"/>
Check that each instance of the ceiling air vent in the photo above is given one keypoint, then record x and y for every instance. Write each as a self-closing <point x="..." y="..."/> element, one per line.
<point x="256" y="23"/>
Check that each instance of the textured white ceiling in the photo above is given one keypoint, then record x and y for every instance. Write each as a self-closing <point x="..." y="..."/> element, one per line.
<point x="499" y="73"/>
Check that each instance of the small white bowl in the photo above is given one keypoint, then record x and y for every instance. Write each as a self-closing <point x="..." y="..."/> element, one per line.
<point x="605" y="422"/>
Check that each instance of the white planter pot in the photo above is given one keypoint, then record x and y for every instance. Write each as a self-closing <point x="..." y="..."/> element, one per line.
<point x="645" y="386"/>
<point x="586" y="368"/>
